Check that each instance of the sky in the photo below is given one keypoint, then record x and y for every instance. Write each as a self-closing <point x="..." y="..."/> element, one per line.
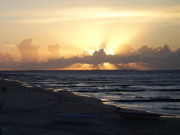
<point x="83" y="34"/>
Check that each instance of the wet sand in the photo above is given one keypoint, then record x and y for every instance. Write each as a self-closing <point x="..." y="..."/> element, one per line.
<point x="28" y="111"/>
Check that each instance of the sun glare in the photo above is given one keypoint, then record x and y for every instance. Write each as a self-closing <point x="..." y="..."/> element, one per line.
<point x="111" y="51"/>
<point x="78" y="66"/>
<point x="91" y="52"/>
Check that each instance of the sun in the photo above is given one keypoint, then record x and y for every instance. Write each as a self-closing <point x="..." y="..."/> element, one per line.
<point x="111" y="51"/>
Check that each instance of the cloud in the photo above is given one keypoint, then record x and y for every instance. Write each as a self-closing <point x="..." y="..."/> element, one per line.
<point x="54" y="51"/>
<point x="124" y="49"/>
<point x="173" y="10"/>
<point x="160" y="57"/>
<point x="100" y="14"/>
<point x="8" y="60"/>
<point x="28" y="51"/>
<point x="145" y="58"/>
<point x="84" y="53"/>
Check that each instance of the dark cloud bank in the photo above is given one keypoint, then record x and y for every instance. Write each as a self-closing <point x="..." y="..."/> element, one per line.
<point x="160" y="58"/>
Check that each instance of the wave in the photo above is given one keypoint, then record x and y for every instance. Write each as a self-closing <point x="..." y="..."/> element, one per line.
<point x="166" y="90"/>
<point x="170" y="108"/>
<point x="147" y="100"/>
<point x="107" y="90"/>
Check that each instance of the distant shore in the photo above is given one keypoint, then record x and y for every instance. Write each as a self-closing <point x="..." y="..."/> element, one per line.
<point x="29" y="111"/>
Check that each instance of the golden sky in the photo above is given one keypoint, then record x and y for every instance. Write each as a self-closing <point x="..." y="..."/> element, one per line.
<point x="77" y="25"/>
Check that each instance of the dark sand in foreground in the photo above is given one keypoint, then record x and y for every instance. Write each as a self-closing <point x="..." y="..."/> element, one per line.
<point x="28" y="111"/>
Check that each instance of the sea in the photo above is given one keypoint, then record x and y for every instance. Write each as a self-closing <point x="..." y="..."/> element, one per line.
<point x="155" y="91"/>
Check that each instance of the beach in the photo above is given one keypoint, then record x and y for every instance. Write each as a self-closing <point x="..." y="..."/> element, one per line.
<point x="29" y="110"/>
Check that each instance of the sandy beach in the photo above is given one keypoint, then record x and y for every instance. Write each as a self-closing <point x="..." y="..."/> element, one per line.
<point x="28" y="111"/>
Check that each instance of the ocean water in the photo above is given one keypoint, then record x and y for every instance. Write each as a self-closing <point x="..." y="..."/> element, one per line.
<point x="156" y="91"/>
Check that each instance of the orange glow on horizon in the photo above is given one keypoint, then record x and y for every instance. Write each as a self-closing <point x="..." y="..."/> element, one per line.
<point x="139" y="66"/>
<point x="78" y="66"/>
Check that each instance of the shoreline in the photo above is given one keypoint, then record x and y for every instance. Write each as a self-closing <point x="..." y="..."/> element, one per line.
<point x="136" y="92"/>
<point x="32" y="108"/>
